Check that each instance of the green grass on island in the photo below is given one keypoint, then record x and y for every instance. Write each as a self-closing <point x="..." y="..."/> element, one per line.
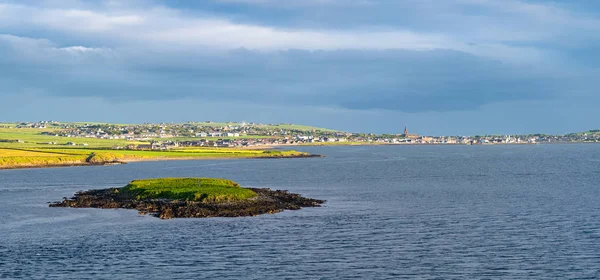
<point x="191" y="189"/>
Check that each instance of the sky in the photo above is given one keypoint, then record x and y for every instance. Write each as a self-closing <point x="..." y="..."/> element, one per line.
<point x="439" y="67"/>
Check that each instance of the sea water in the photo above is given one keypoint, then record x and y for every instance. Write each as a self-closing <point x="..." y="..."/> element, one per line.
<point x="392" y="212"/>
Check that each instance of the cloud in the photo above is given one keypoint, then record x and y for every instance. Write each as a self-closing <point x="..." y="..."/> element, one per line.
<point x="81" y="49"/>
<point x="300" y="3"/>
<point x="398" y="80"/>
<point x="409" y="57"/>
<point x="163" y="28"/>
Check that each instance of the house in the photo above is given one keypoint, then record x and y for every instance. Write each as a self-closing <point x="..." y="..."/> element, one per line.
<point x="222" y="143"/>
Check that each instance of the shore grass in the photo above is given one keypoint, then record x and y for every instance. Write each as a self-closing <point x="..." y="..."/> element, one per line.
<point x="40" y="157"/>
<point x="191" y="189"/>
<point x="40" y="161"/>
<point x="26" y="157"/>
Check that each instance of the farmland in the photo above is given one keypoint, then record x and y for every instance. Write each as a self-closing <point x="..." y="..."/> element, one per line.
<point x="30" y="147"/>
<point x="40" y="157"/>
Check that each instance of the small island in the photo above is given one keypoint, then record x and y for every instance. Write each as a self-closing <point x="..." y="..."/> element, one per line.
<point x="168" y="198"/>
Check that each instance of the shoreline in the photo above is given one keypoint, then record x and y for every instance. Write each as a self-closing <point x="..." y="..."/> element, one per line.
<point x="61" y="165"/>
<point x="335" y="144"/>
<point x="266" y="201"/>
<point x="119" y="162"/>
<point x="125" y="161"/>
<point x="330" y="144"/>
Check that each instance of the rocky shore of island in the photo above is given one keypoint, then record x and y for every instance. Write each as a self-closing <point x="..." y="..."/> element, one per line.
<point x="267" y="201"/>
<point x="293" y="156"/>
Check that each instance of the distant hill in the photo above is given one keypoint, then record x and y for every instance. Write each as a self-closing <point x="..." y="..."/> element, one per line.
<point x="287" y="126"/>
<point x="266" y="126"/>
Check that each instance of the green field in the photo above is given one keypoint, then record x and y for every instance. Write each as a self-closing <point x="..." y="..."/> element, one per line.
<point x="28" y="147"/>
<point x="7" y="124"/>
<point x="37" y="157"/>
<point x="33" y="137"/>
<point x="191" y="189"/>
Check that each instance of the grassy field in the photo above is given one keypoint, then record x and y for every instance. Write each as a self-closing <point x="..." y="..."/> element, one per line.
<point x="39" y="157"/>
<point x="13" y="158"/>
<point x="8" y="124"/>
<point x="192" y="189"/>
<point x="33" y="137"/>
<point x="28" y="147"/>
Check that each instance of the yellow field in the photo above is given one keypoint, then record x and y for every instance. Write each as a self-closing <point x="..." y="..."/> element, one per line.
<point x="34" y="149"/>
<point x="24" y="153"/>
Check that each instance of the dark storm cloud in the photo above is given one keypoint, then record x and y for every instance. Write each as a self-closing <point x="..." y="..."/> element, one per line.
<point x="399" y="80"/>
<point x="423" y="59"/>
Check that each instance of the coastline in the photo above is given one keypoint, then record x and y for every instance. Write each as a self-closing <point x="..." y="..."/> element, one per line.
<point x="328" y="144"/>
<point x="421" y="144"/>
<point x="125" y="161"/>
<point x="12" y="167"/>
<point x="269" y="147"/>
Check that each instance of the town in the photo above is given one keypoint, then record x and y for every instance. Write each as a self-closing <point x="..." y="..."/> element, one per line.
<point x="232" y="134"/>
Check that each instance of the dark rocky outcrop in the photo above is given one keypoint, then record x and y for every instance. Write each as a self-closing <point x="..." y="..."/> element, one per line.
<point x="267" y="202"/>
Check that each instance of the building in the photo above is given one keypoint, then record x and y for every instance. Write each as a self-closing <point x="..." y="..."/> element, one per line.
<point x="409" y="136"/>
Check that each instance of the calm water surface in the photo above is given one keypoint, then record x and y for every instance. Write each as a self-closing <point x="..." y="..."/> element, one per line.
<point x="392" y="212"/>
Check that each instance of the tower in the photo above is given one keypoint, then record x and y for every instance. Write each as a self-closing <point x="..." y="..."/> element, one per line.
<point x="405" y="132"/>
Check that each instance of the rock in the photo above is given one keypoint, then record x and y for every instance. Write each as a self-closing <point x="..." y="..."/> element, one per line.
<point x="267" y="202"/>
<point x="166" y="213"/>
